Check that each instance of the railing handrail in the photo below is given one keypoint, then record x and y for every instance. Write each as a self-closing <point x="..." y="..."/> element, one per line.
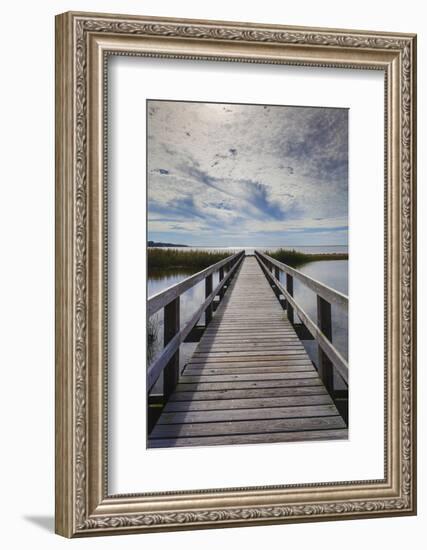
<point x="326" y="292"/>
<point x="173" y="345"/>
<point x="164" y="297"/>
<point x="322" y="340"/>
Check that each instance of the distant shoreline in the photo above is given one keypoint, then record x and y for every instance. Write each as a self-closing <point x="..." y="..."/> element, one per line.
<point x="154" y="244"/>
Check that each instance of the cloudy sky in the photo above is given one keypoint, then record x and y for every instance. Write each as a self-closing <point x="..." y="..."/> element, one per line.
<point x="247" y="175"/>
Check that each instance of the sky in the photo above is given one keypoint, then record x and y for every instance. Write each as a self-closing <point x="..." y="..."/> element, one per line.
<point x="247" y="175"/>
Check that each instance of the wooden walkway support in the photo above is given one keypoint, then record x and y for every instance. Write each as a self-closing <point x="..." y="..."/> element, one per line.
<point x="249" y="380"/>
<point x="330" y="359"/>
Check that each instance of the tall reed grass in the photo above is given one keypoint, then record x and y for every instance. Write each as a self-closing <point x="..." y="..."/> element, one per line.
<point x="161" y="258"/>
<point x="295" y="258"/>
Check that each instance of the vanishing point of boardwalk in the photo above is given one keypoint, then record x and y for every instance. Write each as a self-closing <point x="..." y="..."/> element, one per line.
<point x="250" y="379"/>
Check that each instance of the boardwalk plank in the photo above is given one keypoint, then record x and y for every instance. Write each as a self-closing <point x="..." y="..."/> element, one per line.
<point x="218" y="395"/>
<point x="265" y="347"/>
<point x="293" y="351"/>
<point x="245" y="403"/>
<point x="247" y="377"/>
<point x="249" y="359"/>
<point x="260" y="413"/>
<point x="247" y="439"/>
<point x="258" y="364"/>
<point x="246" y="370"/>
<point x="248" y="426"/>
<point x="248" y="384"/>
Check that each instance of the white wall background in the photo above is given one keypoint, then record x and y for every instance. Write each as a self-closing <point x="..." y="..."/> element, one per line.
<point x="27" y="273"/>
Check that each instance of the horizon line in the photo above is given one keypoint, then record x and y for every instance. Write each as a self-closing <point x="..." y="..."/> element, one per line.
<point x="248" y="245"/>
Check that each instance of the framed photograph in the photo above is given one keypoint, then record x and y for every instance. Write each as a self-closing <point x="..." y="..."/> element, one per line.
<point x="235" y="274"/>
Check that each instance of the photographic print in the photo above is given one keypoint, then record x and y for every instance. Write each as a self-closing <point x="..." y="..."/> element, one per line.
<point x="247" y="258"/>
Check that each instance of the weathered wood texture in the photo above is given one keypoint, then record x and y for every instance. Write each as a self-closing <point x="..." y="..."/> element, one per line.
<point x="172" y="344"/>
<point x="329" y="294"/>
<point x="323" y="340"/>
<point x="163" y="298"/>
<point x="249" y="380"/>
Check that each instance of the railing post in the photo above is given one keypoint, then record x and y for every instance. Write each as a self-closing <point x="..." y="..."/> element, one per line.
<point x="290" y="289"/>
<point x="324" y="322"/>
<point x="276" y="289"/>
<point x="208" y="290"/>
<point x="171" y="327"/>
<point x="221" y="277"/>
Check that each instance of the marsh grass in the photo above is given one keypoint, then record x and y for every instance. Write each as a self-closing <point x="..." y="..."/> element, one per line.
<point x="161" y="259"/>
<point x="295" y="258"/>
<point x="165" y="259"/>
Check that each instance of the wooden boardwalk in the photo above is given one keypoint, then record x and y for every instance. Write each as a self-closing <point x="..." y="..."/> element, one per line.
<point x="250" y="379"/>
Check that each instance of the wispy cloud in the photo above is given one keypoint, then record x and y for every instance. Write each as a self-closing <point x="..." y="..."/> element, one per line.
<point x="218" y="174"/>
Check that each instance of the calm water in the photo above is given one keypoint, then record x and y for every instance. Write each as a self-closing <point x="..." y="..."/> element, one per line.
<point x="332" y="273"/>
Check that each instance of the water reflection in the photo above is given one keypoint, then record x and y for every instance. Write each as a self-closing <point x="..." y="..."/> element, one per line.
<point x="333" y="273"/>
<point x="190" y="301"/>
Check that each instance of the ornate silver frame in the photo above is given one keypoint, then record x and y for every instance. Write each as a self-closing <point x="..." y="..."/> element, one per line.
<point x="83" y="505"/>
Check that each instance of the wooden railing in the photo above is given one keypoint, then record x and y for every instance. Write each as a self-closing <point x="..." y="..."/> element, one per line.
<point x="174" y="336"/>
<point x="321" y="331"/>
